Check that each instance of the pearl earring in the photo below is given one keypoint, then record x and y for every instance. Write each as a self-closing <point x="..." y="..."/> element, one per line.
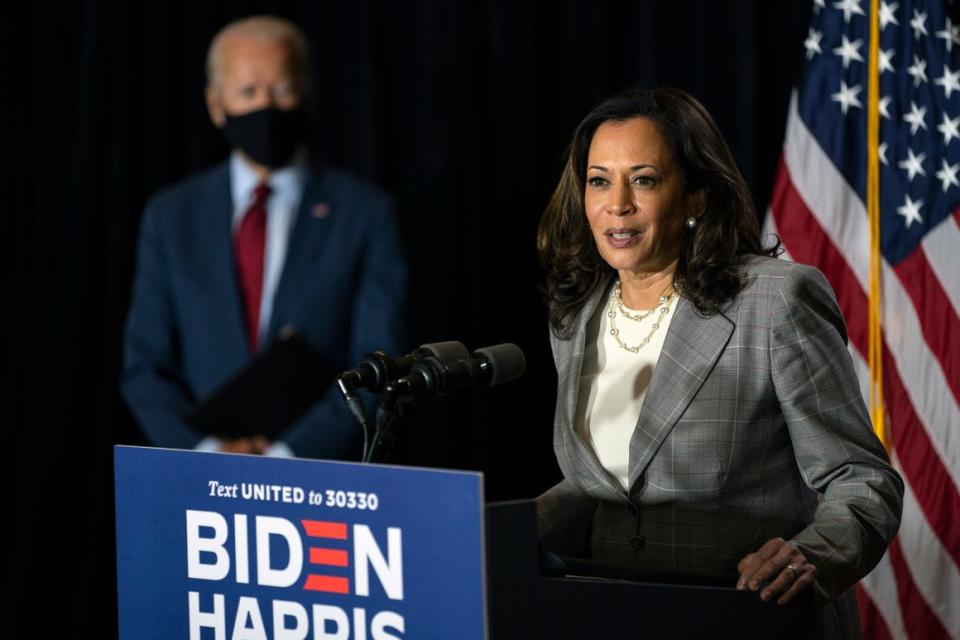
<point x="692" y="223"/>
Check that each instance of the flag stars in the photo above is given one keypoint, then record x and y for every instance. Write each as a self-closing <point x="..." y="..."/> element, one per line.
<point x="817" y="5"/>
<point x="916" y="118"/>
<point x="882" y="152"/>
<point x="911" y="211"/>
<point x="886" y="60"/>
<point x="849" y="51"/>
<point x="950" y="81"/>
<point x="950" y="34"/>
<point x="918" y="71"/>
<point x="847" y="97"/>
<point x="887" y="15"/>
<point x="913" y="164"/>
<point x="948" y="175"/>
<point x="919" y="24"/>
<point x="812" y="43"/>
<point x="849" y="7"/>
<point x="949" y="128"/>
<point x="884" y="107"/>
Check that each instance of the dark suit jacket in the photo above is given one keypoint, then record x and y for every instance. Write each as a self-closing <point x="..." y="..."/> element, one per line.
<point x="343" y="286"/>
<point x="753" y="427"/>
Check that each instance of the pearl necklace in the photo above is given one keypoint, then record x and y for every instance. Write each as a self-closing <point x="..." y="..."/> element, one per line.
<point x="616" y="304"/>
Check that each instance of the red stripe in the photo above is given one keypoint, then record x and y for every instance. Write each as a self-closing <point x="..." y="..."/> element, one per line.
<point x="332" y="557"/>
<point x="329" y="584"/>
<point x="922" y="465"/>
<point x="929" y="480"/>
<point x="872" y="624"/>
<point x="319" y="529"/>
<point x="919" y="620"/>
<point x="806" y="242"/>
<point x="938" y="321"/>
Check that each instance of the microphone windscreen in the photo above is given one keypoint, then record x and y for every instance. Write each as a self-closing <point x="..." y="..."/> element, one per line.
<point x="506" y="362"/>
<point x="447" y="352"/>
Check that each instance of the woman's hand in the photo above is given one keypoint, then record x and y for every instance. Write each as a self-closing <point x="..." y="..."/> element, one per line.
<point x="782" y="565"/>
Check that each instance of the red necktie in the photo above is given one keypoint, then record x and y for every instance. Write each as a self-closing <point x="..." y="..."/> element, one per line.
<point x="248" y="244"/>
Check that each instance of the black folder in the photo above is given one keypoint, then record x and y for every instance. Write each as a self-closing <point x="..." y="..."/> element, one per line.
<point x="264" y="398"/>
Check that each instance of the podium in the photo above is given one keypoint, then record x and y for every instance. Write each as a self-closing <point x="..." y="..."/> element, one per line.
<point x="217" y="546"/>
<point x="597" y="601"/>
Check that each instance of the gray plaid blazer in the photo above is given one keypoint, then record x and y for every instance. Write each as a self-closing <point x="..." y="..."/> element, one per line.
<point x="753" y="427"/>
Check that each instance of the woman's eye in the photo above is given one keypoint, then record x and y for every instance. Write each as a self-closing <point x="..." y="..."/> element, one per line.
<point x="644" y="181"/>
<point x="596" y="181"/>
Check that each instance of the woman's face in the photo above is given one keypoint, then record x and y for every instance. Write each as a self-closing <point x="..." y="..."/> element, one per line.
<point x="634" y="197"/>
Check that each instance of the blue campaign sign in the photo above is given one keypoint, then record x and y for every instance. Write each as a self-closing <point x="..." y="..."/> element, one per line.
<point x="233" y="547"/>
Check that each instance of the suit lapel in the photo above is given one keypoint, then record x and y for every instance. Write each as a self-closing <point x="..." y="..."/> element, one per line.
<point x="580" y="459"/>
<point x="311" y="228"/>
<point x="214" y="215"/>
<point x="691" y="349"/>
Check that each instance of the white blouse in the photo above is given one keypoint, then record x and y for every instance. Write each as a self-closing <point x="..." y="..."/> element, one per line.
<point x="614" y="381"/>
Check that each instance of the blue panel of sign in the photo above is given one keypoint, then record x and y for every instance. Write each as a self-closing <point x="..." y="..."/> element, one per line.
<point x="245" y="547"/>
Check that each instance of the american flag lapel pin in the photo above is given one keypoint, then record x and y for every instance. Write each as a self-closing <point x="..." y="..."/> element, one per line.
<point x="320" y="210"/>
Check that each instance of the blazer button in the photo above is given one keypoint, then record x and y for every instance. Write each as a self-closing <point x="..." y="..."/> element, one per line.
<point x="638" y="542"/>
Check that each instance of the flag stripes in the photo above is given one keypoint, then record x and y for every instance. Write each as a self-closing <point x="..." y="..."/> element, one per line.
<point x="822" y="221"/>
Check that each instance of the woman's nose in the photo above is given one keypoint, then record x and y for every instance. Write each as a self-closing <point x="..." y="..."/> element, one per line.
<point x="621" y="200"/>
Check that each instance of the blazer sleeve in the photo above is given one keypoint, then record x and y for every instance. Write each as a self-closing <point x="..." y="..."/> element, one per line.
<point x="151" y="382"/>
<point x="378" y="321"/>
<point x="836" y="451"/>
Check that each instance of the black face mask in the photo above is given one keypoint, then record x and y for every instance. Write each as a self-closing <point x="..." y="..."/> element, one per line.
<point x="268" y="136"/>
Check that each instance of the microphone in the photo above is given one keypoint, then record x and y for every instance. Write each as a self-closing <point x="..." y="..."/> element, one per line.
<point x="376" y="369"/>
<point x="487" y="367"/>
<point x="431" y="377"/>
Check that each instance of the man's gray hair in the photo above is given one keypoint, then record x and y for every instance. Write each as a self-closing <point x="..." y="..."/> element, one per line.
<point x="270" y="28"/>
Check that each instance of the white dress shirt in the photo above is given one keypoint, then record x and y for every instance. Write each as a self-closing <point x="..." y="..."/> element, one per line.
<point x="286" y="186"/>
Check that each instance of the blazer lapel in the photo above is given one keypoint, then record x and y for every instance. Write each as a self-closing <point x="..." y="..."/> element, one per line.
<point x="691" y="348"/>
<point x="311" y="229"/>
<point x="578" y="458"/>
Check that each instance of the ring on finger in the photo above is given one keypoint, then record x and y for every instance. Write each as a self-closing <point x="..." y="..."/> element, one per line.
<point x="793" y="571"/>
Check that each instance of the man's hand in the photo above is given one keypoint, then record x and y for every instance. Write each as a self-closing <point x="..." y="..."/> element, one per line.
<point x="254" y="445"/>
<point x="782" y="565"/>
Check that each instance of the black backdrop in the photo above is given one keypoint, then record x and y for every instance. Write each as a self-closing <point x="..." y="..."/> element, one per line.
<point x="461" y="109"/>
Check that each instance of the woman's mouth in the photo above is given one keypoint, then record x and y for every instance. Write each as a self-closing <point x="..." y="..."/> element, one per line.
<point x="619" y="238"/>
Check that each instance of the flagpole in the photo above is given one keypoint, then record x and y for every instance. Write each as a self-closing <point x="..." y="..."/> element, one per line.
<point x="873" y="213"/>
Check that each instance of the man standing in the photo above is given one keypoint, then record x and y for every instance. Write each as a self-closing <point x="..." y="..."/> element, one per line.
<point x="230" y="256"/>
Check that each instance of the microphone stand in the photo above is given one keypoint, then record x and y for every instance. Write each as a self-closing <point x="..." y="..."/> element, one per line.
<point x="398" y="395"/>
<point x="349" y="392"/>
<point x="432" y="377"/>
<point x="388" y="411"/>
<point x="375" y="372"/>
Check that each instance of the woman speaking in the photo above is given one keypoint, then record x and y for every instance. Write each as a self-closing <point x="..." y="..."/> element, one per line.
<point x="708" y="418"/>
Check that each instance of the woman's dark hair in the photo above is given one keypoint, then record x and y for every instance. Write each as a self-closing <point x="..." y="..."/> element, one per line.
<point x="727" y="230"/>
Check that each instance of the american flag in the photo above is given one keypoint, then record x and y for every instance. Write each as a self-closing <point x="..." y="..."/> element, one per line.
<point x="818" y="208"/>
